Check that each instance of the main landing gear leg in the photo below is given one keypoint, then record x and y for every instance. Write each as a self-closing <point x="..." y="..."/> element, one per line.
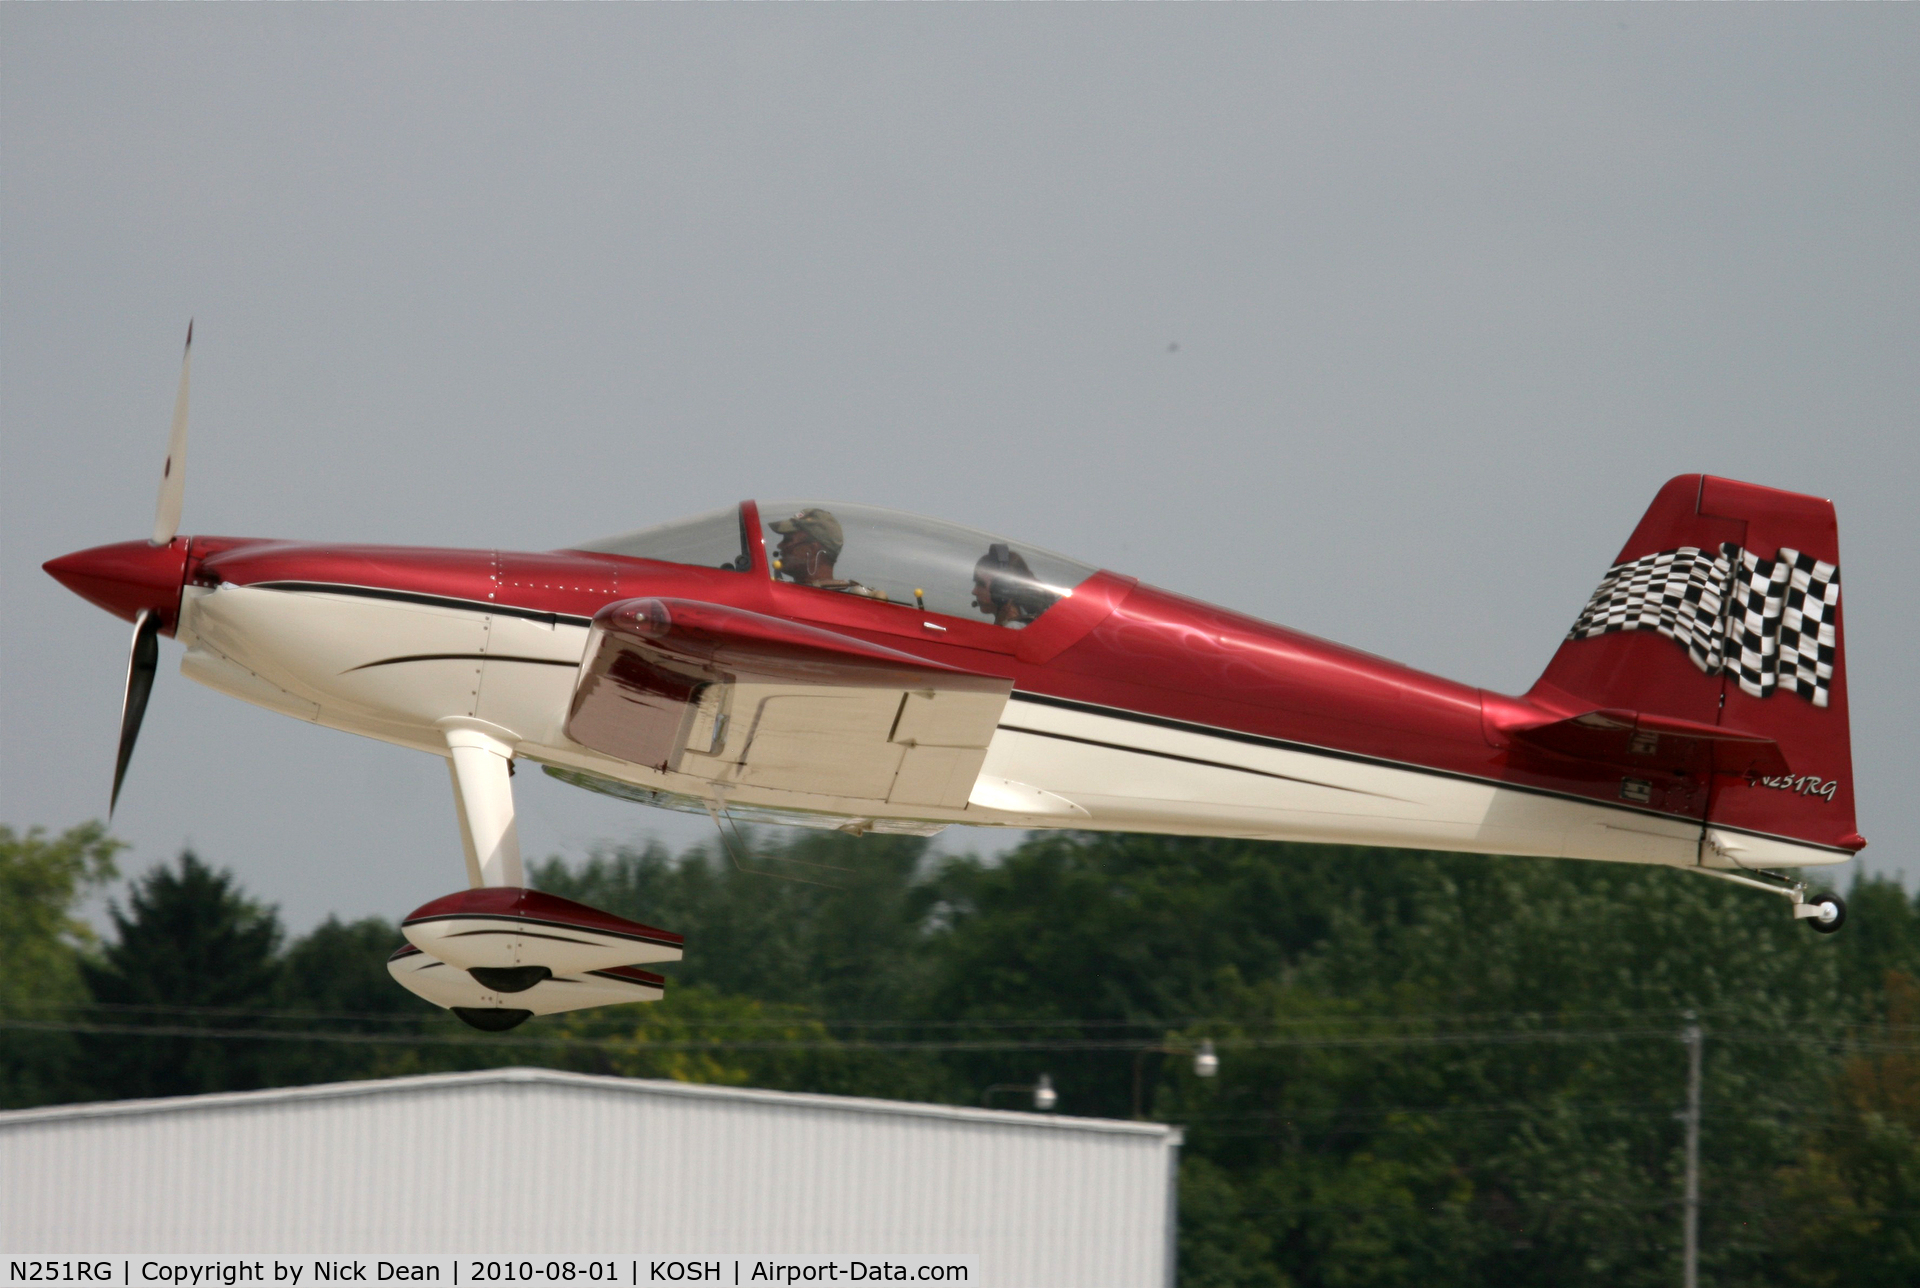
<point x="497" y="954"/>
<point x="1825" y="912"/>
<point x="481" y="767"/>
<point x="483" y="798"/>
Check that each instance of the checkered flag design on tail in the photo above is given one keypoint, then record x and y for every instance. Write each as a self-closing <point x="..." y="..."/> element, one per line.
<point x="1768" y="621"/>
<point x="1780" y="623"/>
<point x="1679" y="593"/>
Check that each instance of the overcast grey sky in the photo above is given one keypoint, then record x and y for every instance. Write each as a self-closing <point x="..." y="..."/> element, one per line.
<point x="1454" y="291"/>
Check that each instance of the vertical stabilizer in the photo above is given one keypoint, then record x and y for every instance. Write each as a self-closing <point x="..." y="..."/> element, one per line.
<point x="1723" y="608"/>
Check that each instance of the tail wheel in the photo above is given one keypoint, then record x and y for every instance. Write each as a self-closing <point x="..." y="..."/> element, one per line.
<point x="1832" y="914"/>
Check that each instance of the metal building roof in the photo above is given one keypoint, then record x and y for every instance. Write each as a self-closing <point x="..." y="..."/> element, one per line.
<point x="600" y="1082"/>
<point x="535" y="1162"/>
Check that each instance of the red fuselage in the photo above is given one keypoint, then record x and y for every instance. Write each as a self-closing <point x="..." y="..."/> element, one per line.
<point x="1119" y="667"/>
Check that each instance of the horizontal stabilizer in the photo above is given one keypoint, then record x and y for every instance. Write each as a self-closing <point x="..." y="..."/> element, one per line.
<point x="1639" y="740"/>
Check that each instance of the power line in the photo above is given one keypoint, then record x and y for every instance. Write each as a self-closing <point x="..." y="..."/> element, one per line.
<point x="639" y="1041"/>
<point x="1167" y="1022"/>
<point x="1793" y="1207"/>
<point x="1625" y="1108"/>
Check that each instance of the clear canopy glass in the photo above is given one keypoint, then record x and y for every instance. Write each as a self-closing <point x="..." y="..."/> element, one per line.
<point x="887" y="556"/>
<point x="927" y="564"/>
<point x="716" y="539"/>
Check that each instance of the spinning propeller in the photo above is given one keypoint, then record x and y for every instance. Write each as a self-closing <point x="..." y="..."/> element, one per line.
<point x="144" y="660"/>
<point x="173" y="475"/>
<point x="140" y="581"/>
<point x="141" y="666"/>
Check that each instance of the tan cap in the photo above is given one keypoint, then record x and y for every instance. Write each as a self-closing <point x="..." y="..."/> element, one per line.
<point x="818" y="524"/>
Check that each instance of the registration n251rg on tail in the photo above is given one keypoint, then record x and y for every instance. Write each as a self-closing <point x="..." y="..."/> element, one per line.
<point x="841" y="665"/>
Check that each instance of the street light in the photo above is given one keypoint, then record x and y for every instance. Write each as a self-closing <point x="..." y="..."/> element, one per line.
<point x="1206" y="1064"/>
<point x="1044" y="1096"/>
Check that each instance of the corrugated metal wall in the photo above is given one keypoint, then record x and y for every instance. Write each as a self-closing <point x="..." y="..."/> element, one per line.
<point x="534" y="1162"/>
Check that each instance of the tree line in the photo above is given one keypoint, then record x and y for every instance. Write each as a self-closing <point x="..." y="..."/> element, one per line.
<point x="1433" y="1069"/>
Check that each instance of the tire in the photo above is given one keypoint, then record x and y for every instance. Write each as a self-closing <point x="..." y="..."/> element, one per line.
<point x="489" y="1020"/>
<point x="1827" y="927"/>
<point x="510" y="979"/>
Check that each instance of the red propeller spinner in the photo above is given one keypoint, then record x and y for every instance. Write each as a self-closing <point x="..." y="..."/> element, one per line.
<point x="127" y="578"/>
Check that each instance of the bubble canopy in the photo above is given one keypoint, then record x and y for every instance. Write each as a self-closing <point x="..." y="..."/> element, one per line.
<point x="716" y="539"/>
<point x="881" y="555"/>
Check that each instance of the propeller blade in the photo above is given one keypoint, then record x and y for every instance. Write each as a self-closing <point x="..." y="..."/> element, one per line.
<point x="141" y="666"/>
<point x="173" y="475"/>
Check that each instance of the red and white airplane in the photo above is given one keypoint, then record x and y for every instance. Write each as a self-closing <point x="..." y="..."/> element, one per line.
<point x="841" y="665"/>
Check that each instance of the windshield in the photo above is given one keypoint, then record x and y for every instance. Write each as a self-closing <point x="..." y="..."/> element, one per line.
<point x="717" y="539"/>
<point x="927" y="564"/>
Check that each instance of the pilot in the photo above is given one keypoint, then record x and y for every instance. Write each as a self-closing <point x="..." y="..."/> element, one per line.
<point x="1005" y="589"/>
<point x="810" y="544"/>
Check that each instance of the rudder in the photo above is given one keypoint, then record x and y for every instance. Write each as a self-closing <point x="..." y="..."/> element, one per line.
<point x="1723" y="609"/>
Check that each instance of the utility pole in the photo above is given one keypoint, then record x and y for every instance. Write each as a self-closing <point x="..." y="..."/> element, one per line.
<point x="1692" y="1036"/>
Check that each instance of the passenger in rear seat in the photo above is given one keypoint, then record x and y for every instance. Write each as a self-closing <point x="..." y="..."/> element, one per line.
<point x="1005" y="589"/>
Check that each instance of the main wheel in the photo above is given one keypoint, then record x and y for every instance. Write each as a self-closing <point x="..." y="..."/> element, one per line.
<point x="492" y="1020"/>
<point x="1833" y="913"/>
<point x="510" y="979"/>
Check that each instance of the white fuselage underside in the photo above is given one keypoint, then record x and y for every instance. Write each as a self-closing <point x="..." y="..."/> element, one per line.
<point x="396" y="670"/>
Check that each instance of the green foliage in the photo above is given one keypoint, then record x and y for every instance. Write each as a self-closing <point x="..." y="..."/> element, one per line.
<point x="767" y="1044"/>
<point x="335" y="978"/>
<point x="41" y="879"/>
<point x="1434" y="1068"/>
<point x="189" y="947"/>
<point x="1492" y="1084"/>
<point x="1856" y="1185"/>
<point x="1099" y="935"/>
<point x="1222" y="1245"/>
<point x="1882" y="935"/>
<point x="837" y="927"/>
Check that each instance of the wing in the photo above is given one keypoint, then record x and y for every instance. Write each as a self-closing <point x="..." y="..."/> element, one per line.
<point x="742" y="699"/>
